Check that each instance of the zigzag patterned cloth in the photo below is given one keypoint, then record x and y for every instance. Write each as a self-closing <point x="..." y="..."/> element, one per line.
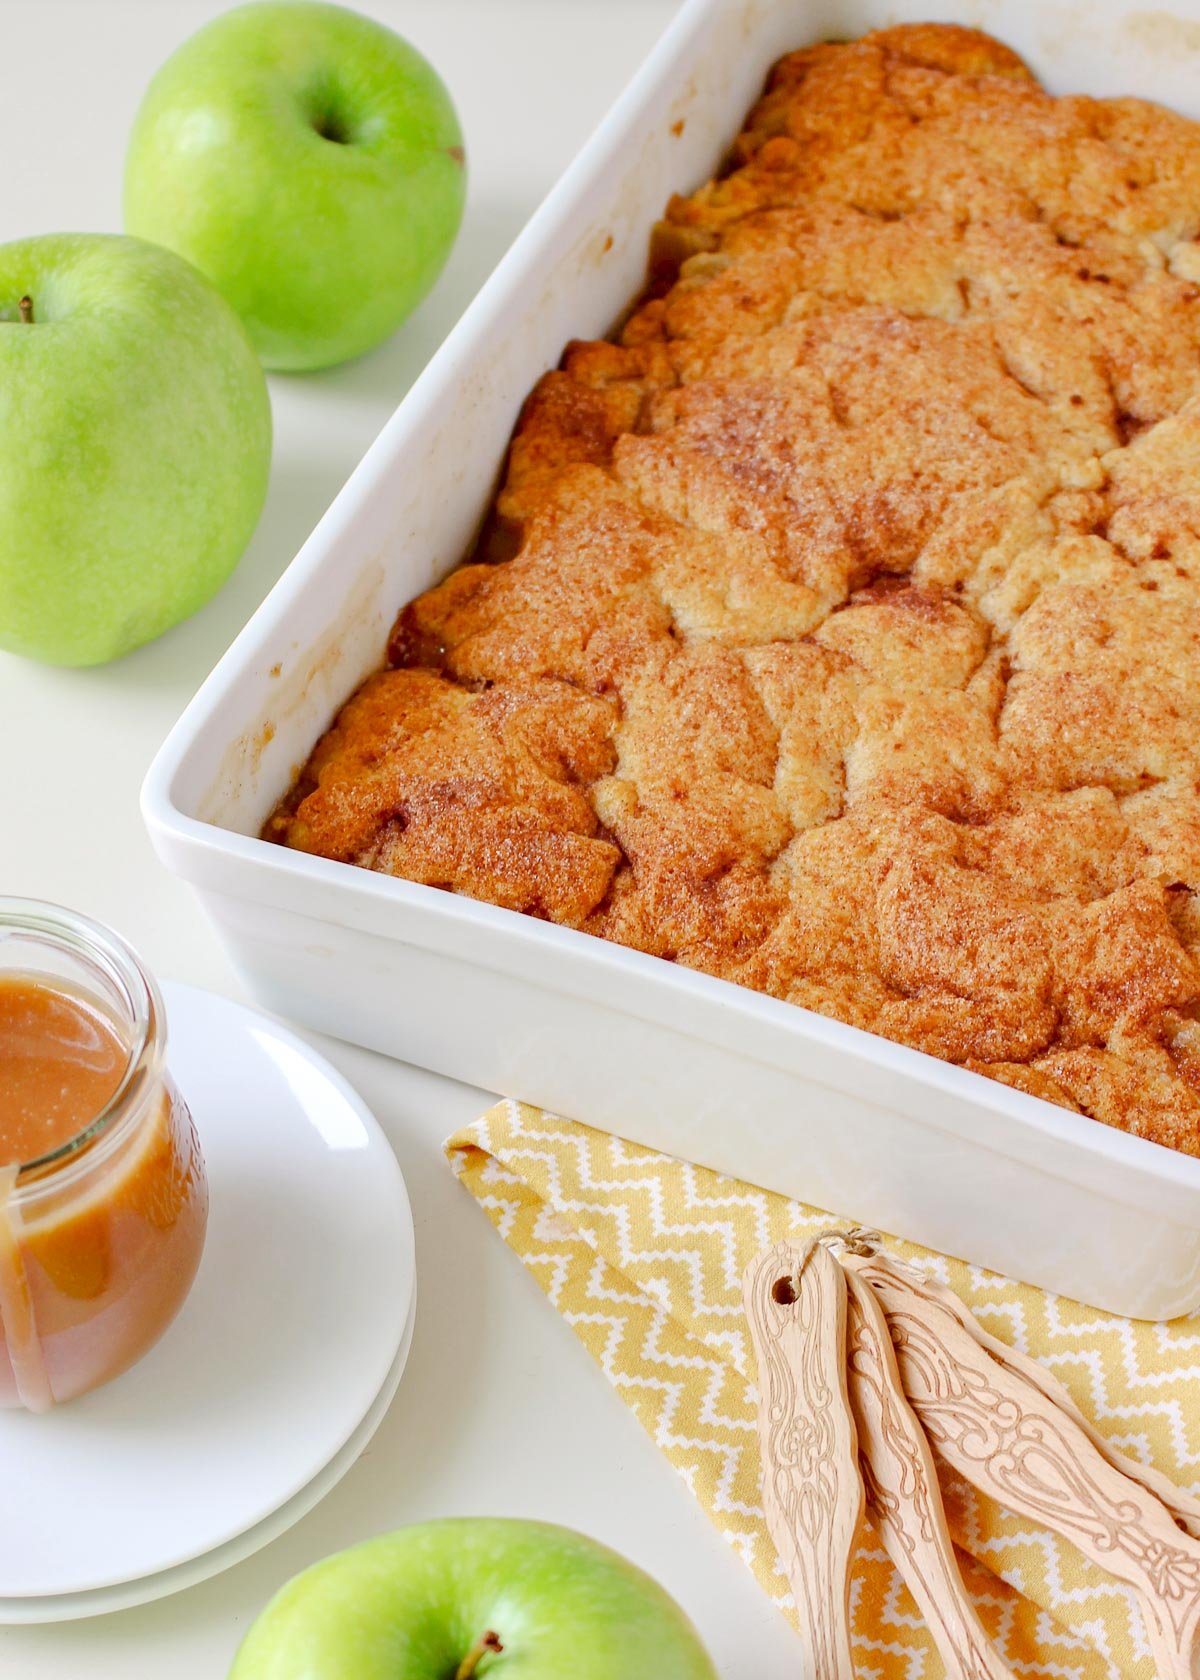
<point x="643" y="1256"/>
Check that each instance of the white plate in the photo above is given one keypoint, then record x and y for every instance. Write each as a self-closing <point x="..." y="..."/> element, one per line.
<point x="71" y="1607"/>
<point x="278" y="1368"/>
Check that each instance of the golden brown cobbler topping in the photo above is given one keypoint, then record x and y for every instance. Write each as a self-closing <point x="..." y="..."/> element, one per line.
<point x="839" y="632"/>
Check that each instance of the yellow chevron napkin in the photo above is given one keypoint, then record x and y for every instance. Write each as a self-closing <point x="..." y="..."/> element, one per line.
<point x="643" y="1256"/>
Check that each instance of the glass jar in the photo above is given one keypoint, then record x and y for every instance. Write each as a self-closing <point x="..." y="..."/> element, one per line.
<point x="101" y="1237"/>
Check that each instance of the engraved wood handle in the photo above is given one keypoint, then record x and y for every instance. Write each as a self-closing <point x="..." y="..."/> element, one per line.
<point x="1001" y="1433"/>
<point x="1183" y="1506"/>
<point x="812" y="1491"/>
<point x="903" y="1498"/>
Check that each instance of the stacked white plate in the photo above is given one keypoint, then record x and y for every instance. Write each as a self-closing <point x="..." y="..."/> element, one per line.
<point x="277" y="1371"/>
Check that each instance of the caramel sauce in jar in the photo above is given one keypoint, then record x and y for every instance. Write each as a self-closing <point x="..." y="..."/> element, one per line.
<point x="103" y="1196"/>
<point x="61" y="1061"/>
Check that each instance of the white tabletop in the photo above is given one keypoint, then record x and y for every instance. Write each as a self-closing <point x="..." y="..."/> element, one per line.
<point x="501" y="1410"/>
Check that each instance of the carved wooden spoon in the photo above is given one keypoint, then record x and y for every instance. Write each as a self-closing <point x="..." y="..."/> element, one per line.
<point x="1183" y="1506"/>
<point x="1000" y="1432"/>
<point x="812" y="1491"/>
<point x="903" y="1497"/>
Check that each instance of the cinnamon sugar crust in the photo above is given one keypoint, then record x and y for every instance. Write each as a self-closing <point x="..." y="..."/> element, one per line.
<point x="845" y="641"/>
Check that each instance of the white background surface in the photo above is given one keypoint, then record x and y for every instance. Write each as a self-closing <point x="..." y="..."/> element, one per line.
<point x="501" y="1411"/>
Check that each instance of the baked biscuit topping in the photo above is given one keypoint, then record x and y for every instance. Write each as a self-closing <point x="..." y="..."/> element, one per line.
<point x="838" y="627"/>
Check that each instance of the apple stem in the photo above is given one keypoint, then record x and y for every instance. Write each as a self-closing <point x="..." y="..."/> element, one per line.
<point x="486" y="1642"/>
<point x="25" y="309"/>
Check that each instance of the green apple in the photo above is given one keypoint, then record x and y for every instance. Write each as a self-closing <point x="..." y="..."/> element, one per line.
<point x="310" y="162"/>
<point x="503" y="1600"/>
<point x="135" y="444"/>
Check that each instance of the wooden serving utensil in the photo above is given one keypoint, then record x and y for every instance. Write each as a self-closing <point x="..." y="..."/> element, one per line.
<point x="1002" y="1433"/>
<point x="796" y="1304"/>
<point x="1183" y="1506"/>
<point x="904" y="1500"/>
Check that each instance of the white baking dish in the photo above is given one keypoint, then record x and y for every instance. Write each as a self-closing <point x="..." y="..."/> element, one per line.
<point x="623" y="1041"/>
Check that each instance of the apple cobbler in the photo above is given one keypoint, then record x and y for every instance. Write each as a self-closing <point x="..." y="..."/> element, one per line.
<point x="837" y="627"/>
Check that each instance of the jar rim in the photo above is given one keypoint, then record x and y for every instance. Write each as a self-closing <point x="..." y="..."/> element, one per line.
<point x="56" y="925"/>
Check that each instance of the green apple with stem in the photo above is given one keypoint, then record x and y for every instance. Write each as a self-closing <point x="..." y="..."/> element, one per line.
<point x="473" y="1599"/>
<point x="135" y="444"/>
<point x="309" y="161"/>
